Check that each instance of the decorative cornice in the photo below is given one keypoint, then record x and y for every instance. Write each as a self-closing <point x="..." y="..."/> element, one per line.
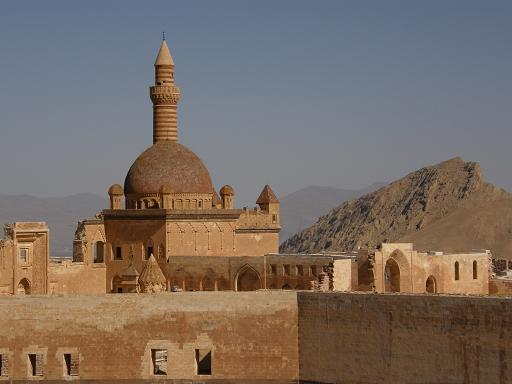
<point x="164" y="94"/>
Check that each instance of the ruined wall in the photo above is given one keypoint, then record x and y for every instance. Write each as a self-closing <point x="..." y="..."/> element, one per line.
<point x="500" y="287"/>
<point x="76" y="278"/>
<point x="252" y="336"/>
<point x="393" y="338"/>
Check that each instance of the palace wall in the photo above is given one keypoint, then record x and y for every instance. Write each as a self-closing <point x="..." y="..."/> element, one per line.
<point x="251" y="336"/>
<point x="70" y="277"/>
<point x="398" y="338"/>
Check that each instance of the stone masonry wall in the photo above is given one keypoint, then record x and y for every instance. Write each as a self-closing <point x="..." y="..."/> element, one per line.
<point x="252" y="336"/>
<point x="393" y="338"/>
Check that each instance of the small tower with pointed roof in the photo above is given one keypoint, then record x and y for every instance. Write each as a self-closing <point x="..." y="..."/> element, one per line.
<point x="152" y="279"/>
<point x="165" y="96"/>
<point x="269" y="203"/>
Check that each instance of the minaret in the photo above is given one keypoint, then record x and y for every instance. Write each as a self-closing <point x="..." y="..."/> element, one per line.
<point x="164" y="95"/>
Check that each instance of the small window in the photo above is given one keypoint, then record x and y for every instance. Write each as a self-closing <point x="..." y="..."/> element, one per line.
<point x="274" y="219"/>
<point x="119" y="253"/>
<point x="300" y="270"/>
<point x="71" y="361"/>
<point x="456" y="270"/>
<point x="23" y="255"/>
<point x="313" y="270"/>
<point x="286" y="270"/>
<point x="203" y="362"/>
<point x="4" y="365"/>
<point x="119" y="290"/>
<point x="273" y="269"/>
<point x="149" y="251"/>
<point x="98" y="252"/>
<point x="475" y="270"/>
<point x="159" y="361"/>
<point x="35" y="364"/>
<point x="200" y="204"/>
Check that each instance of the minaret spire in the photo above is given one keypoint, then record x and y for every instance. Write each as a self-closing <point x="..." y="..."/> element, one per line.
<point x="165" y="96"/>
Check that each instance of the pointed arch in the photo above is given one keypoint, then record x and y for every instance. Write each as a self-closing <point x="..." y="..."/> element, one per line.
<point x="24" y="287"/>
<point x="392" y="276"/>
<point x="247" y="279"/>
<point x="431" y="285"/>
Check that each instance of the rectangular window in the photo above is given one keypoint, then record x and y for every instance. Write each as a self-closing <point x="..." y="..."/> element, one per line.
<point x="71" y="361"/>
<point x="35" y="364"/>
<point x="300" y="270"/>
<point x="274" y="219"/>
<point x="119" y="253"/>
<point x="4" y="365"/>
<point x="286" y="270"/>
<point x="313" y="270"/>
<point x="119" y="290"/>
<point x="273" y="269"/>
<point x="204" y="361"/>
<point x="23" y="255"/>
<point x="159" y="361"/>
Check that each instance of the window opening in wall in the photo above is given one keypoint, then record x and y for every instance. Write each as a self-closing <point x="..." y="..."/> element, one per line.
<point x="204" y="361"/>
<point x="199" y="204"/>
<point x="119" y="253"/>
<point x="71" y="361"/>
<point x="273" y="269"/>
<point x="159" y="361"/>
<point x="119" y="290"/>
<point x="23" y="255"/>
<point x="313" y="270"/>
<point x="475" y="270"/>
<point x="98" y="252"/>
<point x="35" y="364"/>
<point x="149" y="251"/>
<point x="300" y="270"/>
<point x="274" y="219"/>
<point x="4" y="365"/>
<point x="456" y="270"/>
<point x="286" y="269"/>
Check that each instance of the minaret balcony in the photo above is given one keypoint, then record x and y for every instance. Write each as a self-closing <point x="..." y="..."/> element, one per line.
<point x="164" y="94"/>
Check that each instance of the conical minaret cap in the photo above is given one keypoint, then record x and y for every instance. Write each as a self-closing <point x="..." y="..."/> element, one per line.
<point x="164" y="55"/>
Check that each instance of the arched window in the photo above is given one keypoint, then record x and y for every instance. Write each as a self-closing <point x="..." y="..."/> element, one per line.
<point x="475" y="270"/>
<point x="98" y="252"/>
<point x="431" y="285"/>
<point x="456" y="270"/>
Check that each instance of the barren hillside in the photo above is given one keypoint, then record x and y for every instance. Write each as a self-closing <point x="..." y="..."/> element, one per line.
<point x="447" y="206"/>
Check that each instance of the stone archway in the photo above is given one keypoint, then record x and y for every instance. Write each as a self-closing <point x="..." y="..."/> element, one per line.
<point x="23" y="287"/>
<point x="247" y="279"/>
<point x="431" y="285"/>
<point x="392" y="276"/>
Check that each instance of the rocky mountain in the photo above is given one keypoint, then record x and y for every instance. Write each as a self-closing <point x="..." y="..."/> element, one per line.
<point x="301" y="209"/>
<point x="447" y="207"/>
<point x="60" y="213"/>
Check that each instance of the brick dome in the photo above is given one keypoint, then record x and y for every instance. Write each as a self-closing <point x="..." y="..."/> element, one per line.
<point x="169" y="164"/>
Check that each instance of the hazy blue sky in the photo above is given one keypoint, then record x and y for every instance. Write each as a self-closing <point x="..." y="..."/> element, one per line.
<point x="291" y="93"/>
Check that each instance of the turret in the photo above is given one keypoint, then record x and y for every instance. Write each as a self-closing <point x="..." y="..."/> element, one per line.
<point x="269" y="203"/>
<point x="115" y="193"/>
<point x="227" y="194"/>
<point x="165" y="96"/>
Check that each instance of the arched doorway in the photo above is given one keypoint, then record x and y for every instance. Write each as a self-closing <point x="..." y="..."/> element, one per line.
<point x="248" y="279"/>
<point x="392" y="276"/>
<point x="431" y="285"/>
<point x="23" y="287"/>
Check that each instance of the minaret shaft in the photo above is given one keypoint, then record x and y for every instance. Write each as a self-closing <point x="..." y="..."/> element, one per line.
<point x="165" y="96"/>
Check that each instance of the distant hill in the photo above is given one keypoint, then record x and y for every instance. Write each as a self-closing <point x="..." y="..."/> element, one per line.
<point x="302" y="208"/>
<point x="60" y="213"/>
<point x="446" y="207"/>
